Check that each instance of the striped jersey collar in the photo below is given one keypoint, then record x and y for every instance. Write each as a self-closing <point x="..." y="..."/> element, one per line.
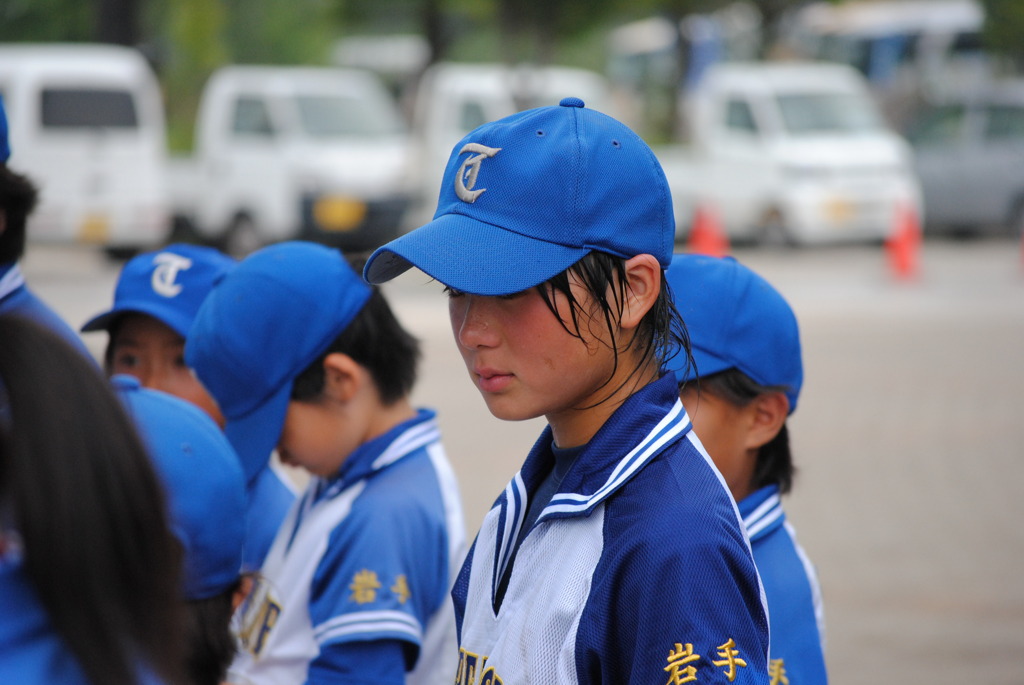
<point x="639" y="430"/>
<point x="762" y="512"/>
<point x="382" y="451"/>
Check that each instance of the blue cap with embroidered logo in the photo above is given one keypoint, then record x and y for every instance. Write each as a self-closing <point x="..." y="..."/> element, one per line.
<point x="260" y="327"/>
<point x="526" y="197"/>
<point x="167" y="284"/>
<point x="202" y="479"/>
<point x="736" y="320"/>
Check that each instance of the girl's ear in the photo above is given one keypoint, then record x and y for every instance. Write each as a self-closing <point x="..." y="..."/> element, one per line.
<point x="342" y="377"/>
<point x="768" y="412"/>
<point x="643" y="285"/>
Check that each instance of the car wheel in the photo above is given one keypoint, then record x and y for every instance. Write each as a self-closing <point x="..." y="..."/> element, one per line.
<point x="773" y="231"/>
<point x="242" y="237"/>
<point x="121" y="253"/>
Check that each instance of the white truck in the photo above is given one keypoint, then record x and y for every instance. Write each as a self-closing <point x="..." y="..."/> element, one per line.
<point x="793" y="153"/>
<point x="315" y="153"/>
<point x="87" y="127"/>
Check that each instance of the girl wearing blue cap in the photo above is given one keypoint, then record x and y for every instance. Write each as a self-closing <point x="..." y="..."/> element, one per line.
<point x="742" y="388"/>
<point x="155" y="301"/>
<point x="89" y="568"/>
<point x="616" y="554"/>
<point x="301" y="354"/>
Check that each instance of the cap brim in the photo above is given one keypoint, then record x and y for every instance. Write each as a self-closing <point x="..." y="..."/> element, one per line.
<point x="472" y="257"/>
<point x="255" y="435"/>
<point x="102" y="322"/>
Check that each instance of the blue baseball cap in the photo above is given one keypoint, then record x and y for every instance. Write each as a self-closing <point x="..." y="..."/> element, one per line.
<point x="5" y="140"/>
<point x="736" y="320"/>
<point x="526" y="197"/>
<point x="167" y="284"/>
<point x="260" y="327"/>
<point x="203" y="481"/>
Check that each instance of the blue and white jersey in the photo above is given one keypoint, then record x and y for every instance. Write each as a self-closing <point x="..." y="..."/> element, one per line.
<point x="269" y="497"/>
<point x="637" y="571"/>
<point x="367" y="555"/>
<point x="791" y="586"/>
<point x="16" y="298"/>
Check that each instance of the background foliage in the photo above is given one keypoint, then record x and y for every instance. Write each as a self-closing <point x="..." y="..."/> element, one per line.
<point x="187" y="39"/>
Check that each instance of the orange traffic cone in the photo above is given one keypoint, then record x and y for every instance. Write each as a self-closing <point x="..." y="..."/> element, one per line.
<point x="706" y="234"/>
<point x="903" y="246"/>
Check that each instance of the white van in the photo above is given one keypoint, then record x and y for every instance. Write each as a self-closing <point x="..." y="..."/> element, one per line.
<point x="285" y="152"/>
<point x="790" y="152"/>
<point x="87" y="126"/>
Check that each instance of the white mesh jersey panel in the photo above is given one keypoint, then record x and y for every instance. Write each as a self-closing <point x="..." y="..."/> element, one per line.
<point x="533" y="637"/>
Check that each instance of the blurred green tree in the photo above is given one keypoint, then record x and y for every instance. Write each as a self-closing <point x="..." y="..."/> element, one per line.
<point x="46" y="20"/>
<point x="1003" y="29"/>
<point x="196" y="46"/>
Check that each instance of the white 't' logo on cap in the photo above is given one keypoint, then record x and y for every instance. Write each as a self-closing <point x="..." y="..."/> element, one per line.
<point x="466" y="178"/>
<point x="168" y="265"/>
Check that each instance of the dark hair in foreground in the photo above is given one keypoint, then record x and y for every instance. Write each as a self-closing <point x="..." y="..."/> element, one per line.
<point x="210" y="643"/>
<point x="661" y="335"/>
<point x="18" y="198"/>
<point x="774" y="459"/>
<point x="375" y="340"/>
<point x="89" y="509"/>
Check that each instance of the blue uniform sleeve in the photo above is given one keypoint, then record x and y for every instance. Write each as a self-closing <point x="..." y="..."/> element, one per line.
<point x="385" y="571"/>
<point x="676" y="596"/>
<point x="359" y="663"/>
<point x="672" y="616"/>
<point x="791" y="586"/>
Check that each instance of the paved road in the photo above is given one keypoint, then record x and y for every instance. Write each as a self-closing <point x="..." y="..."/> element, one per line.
<point x="909" y="439"/>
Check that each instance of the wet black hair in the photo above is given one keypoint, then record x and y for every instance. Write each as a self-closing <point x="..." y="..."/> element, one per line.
<point x="774" y="460"/>
<point x="661" y="334"/>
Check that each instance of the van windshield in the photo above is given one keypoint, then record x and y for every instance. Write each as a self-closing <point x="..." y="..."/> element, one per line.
<point x="334" y="116"/>
<point x="815" y="113"/>
<point x="88" y="108"/>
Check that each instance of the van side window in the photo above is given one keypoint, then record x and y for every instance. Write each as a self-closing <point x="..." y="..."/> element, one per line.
<point x="251" y="118"/>
<point x="471" y="116"/>
<point x="88" y="108"/>
<point x="941" y="125"/>
<point x="739" y="117"/>
<point x="1005" y="122"/>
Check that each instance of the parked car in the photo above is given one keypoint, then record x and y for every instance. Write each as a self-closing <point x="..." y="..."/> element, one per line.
<point x="87" y="126"/>
<point x="317" y="153"/>
<point x="969" y="156"/>
<point x="796" y="153"/>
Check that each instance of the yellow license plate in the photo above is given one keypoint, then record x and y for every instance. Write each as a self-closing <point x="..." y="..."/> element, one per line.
<point x="839" y="210"/>
<point x="338" y="213"/>
<point x="95" y="228"/>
